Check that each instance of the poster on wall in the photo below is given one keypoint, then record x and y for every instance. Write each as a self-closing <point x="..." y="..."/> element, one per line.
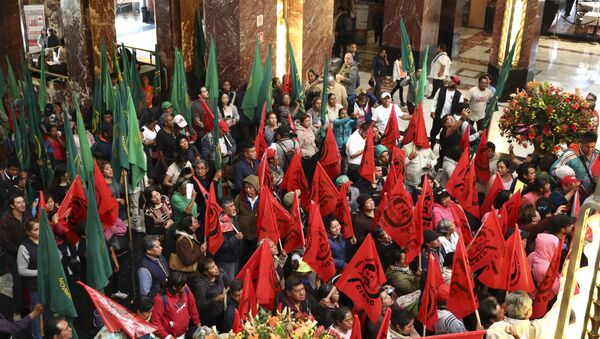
<point x="34" y="22"/>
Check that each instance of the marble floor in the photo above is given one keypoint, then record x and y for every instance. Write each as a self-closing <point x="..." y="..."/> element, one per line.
<point x="134" y="33"/>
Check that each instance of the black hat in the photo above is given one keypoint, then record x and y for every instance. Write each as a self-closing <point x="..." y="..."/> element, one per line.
<point x="429" y="236"/>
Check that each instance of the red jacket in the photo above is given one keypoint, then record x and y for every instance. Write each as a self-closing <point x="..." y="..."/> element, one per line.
<point x="174" y="319"/>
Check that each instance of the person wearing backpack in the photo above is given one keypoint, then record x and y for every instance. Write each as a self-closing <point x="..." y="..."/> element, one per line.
<point x="285" y="146"/>
<point x="174" y="308"/>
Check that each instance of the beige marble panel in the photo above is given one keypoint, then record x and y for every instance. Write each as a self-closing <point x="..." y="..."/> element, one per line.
<point x="101" y="21"/>
<point x="317" y="37"/>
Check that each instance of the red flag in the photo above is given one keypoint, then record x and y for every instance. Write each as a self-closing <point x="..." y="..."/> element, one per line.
<point x="294" y="179"/>
<point x="323" y="191"/>
<point x="291" y="123"/>
<point x="465" y="144"/>
<point x="73" y="210"/>
<point x="398" y="161"/>
<point x="511" y="270"/>
<point x="482" y="159"/>
<point x="462" y="300"/>
<point x="463" y="335"/>
<point x="423" y="220"/>
<point x="472" y="203"/>
<point x="117" y="317"/>
<point x="287" y="80"/>
<point x="212" y="227"/>
<point x="595" y="168"/>
<point x="510" y="212"/>
<point x="545" y="291"/>
<point x="461" y="222"/>
<point x="259" y="140"/>
<point x="391" y="135"/>
<point x="420" y="139"/>
<point x="397" y="215"/>
<point x="492" y="193"/>
<point x="342" y="212"/>
<point x="487" y="244"/>
<point x="385" y="325"/>
<point x="382" y="204"/>
<point x="428" y="308"/>
<point x="108" y="207"/>
<point x="575" y="206"/>
<point x="409" y="133"/>
<point x="207" y="116"/>
<point x="390" y="181"/>
<point x="330" y="155"/>
<point x="462" y="185"/>
<point x="356" y="329"/>
<point x="42" y="204"/>
<point x="263" y="172"/>
<point x="247" y="306"/>
<point x="295" y="236"/>
<point x="367" y="163"/>
<point x="237" y="323"/>
<point x="318" y="252"/>
<point x="266" y="223"/>
<point x="264" y="277"/>
<point x="362" y="278"/>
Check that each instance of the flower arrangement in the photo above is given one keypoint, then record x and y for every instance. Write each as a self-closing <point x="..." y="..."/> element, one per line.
<point x="282" y="325"/>
<point x="545" y="116"/>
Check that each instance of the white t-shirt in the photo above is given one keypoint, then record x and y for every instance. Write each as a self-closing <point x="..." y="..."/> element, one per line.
<point x="478" y="100"/>
<point x="440" y="60"/>
<point x="149" y="134"/>
<point x="355" y="144"/>
<point x="173" y="171"/>
<point x="381" y="115"/>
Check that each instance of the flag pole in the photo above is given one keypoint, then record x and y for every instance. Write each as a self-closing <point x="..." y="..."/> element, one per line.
<point x="478" y="318"/>
<point x="125" y="184"/>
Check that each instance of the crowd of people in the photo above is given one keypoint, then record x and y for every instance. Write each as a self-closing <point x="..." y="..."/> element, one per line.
<point x="180" y="284"/>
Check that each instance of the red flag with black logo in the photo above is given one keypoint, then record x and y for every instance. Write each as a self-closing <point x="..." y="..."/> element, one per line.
<point x="545" y="291"/>
<point x="247" y="306"/>
<point x="362" y="278"/>
<point x="457" y="185"/>
<point x="108" y="207"/>
<point x="294" y="238"/>
<point x="482" y="159"/>
<point x="263" y="274"/>
<point x="116" y="317"/>
<point x="420" y="139"/>
<point x="392" y="131"/>
<point x="464" y="140"/>
<point x="318" y="252"/>
<point x="379" y="212"/>
<point x="295" y="179"/>
<point x="461" y="222"/>
<point x="428" y="308"/>
<point x="409" y="132"/>
<point x="423" y="220"/>
<point x="492" y="193"/>
<point x="342" y="212"/>
<point x="487" y="243"/>
<point x="511" y="270"/>
<point x="263" y="172"/>
<point x="462" y="300"/>
<point x="323" y="191"/>
<point x="73" y="210"/>
<point x="463" y="335"/>
<point x="510" y="212"/>
<point x="330" y="155"/>
<point x="398" y="161"/>
<point x="385" y="325"/>
<point x="265" y="221"/>
<point x="397" y="215"/>
<point x="472" y="203"/>
<point x="259" y="141"/>
<point x="367" y="163"/>
<point x="212" y="227"/>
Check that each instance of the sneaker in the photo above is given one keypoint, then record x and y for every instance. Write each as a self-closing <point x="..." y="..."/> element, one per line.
<point x="120" y="295"/>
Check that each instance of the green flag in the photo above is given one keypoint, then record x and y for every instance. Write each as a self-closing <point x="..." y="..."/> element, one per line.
<point x="136" y="83"/>
<point x="20" y="133"/>
<point x="250" y="101"/>
<point x="297" y="91"/>
<point x="137" y="160"/>
<point x="422" y="90"/>
<point x="157" y="79"/>
<point x="116" y="68"/>
<point x="86" y="152"/>
<point x="179" y="90"/>
<point x="199" y="50"/>
<point x="99" y="268"/>
<point x="107" y="91"/>
<point x="42" y="95"/>
<point x="492" y="106"/>
<point x="72" y="156"/>
<point x="120" y="153"/>
<point x="125" y="63"/>
<point x="265" y="93"/>
<point x="12" y="81"/>
<point x="408" y="62"/>
<point x="324" y="93"/>
<point x="96" y="107"/>
<point x="52" y="284"/>
<point x="212" y="74"/>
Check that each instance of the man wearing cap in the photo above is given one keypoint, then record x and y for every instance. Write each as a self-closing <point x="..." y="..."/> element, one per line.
<point x="285" y="146"/>
<point x="167" y="107"/>
<point x="446" y="101"/>
<point x="440" y="68"/>
<point x="382" y="113"/>
<point x="227" y="145"/>
<point x="478" y="98"/>
<point x="565" y="193"/>
<point x="431" y="244"/>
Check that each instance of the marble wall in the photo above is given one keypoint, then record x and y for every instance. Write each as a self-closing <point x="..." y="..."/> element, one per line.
<point x="11" y="36"/>
<point x="101" y="21"/>
<point x="317" y="34"/>
<point x="450" y="24"/>
<point x="54" y="16"/>
<point x="168" y="33"/>
<point x="422" y="19"/>
<point x="187" y="11"/>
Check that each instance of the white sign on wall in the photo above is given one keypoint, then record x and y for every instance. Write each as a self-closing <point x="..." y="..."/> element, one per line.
<point x="34" y="22"/>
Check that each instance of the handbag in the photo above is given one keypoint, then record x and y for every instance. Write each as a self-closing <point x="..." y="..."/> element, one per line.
<point x="175" y="263"/>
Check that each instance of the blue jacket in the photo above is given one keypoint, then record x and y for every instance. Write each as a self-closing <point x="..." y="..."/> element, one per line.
<point x="338" y="251"/>
<point x="342" y="129"/>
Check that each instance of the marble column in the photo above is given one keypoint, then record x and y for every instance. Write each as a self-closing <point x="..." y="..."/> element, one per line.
<point x="234" y="24"/>
<point x="100" y="19"/>
<point x="54" y="16"/>
<point x="11" y="36"/>
<point x="168" y="32"/>
<point x="529" y="21"/>
<point x="422" y="19"/>
<point x="450" y="24"/>
<point x="317" y="35"/>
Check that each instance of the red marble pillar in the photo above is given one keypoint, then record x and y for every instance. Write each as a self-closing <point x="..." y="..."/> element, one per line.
<point x="11" y="36"/>
<point x="317" y="35"/>
<point x="422" y="19"/>
<point x="529" y="27"/>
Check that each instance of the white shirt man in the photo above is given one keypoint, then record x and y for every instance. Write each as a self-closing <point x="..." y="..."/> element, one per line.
<point x="355" y="147"/>
<point x="478" y="98"/>
<point x="382" y="113"/>
<point x="440" y="66"/>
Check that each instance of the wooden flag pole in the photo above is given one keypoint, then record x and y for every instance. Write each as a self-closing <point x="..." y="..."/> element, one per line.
<point x="478" y="319"/>
<point x="125" y="184"/>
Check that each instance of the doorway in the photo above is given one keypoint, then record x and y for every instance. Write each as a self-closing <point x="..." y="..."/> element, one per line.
<point x="135" y="26"/>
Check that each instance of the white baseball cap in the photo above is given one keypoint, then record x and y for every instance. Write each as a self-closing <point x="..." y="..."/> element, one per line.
<point x="180" y="121"/>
